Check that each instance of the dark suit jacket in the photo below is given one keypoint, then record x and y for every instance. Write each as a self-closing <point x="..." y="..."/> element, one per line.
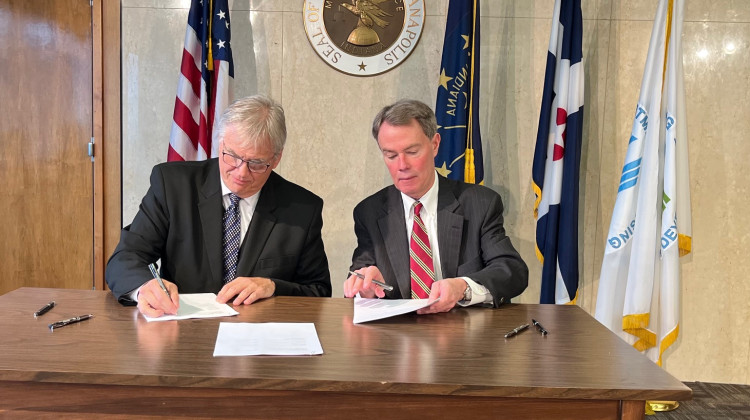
<point x="470" y="234"/>
<point x="180" y="221"/>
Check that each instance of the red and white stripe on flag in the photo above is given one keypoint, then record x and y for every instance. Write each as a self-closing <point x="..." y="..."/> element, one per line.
<point x="555" y="172"/>
<point x="204" y="89"/>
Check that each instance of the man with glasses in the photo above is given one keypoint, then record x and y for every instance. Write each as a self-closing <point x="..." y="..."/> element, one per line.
<point x="228" y="225"/>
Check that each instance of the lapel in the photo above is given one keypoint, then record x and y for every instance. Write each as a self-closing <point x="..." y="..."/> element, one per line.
<point x="450" y="221"/>
<point x="260" y="227"/>
<point x="211" y="211"/>
<point x="393" y="229"/>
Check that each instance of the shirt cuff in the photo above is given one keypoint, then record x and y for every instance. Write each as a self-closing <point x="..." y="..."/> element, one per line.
<point x="134" y="294"/>
<point x="479" y="293"/>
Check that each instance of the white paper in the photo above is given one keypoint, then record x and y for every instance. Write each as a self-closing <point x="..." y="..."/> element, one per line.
<point x="371" y="309"/>
<point x="271" y="338"/>
<point x="198" y="305"/>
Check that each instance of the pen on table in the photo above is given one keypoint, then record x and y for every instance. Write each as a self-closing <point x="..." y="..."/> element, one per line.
<point x="69" y="321"/>
<point x="44" y="309"/>
<point x="377" y="282"/>
<point x="539" y="327"/>
<point x="156" y="275"/>
<point x="516" y="330"/>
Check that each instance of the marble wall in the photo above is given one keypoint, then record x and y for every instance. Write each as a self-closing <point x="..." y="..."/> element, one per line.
<point x="330" y="151"/>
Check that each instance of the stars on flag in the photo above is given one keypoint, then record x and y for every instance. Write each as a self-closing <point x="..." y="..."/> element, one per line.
<point x="444" y="79"/>
<point x="443" y="170"/>
<point x="466" y="41"/>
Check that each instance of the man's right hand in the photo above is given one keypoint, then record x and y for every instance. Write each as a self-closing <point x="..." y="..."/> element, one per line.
<point x="153" y="302"/>
<point x="364" y="286"/>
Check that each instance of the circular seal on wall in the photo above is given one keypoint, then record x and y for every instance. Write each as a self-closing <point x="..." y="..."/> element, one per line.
<point x="364" y="37"/>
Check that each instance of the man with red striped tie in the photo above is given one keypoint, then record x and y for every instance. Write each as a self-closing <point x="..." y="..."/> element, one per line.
<point x="427" y="236"/>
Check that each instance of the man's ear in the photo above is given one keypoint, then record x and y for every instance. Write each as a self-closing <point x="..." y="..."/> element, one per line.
<point x="277" y="159"/>
<point x="435" y="142"/>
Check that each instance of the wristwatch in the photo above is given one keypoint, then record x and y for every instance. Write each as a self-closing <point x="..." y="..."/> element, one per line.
<point x="467" y="293"/>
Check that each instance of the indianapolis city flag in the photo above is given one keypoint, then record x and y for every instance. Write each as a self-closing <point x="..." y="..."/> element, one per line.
<point x="639" y="285"/>
<point x="457" y="107"/>
<point x="204" y="89"/>
<point x="557" y="157"/>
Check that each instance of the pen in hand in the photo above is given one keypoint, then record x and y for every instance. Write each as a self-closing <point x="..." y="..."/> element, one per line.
<point x="44" y="309"/>
<point x="516" y="330"/>
<point x="156" y="275"/>
<point x="382" y="285"/>
<point x="539" y="327"/>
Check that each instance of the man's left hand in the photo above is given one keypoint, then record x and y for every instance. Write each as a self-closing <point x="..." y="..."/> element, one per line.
<point x="450" y="291"/>
<point x="246" y="290"/>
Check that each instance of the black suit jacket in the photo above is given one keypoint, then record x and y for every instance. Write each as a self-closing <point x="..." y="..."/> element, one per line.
<point x="470" y="234"/>
<point x="180" y="221"/>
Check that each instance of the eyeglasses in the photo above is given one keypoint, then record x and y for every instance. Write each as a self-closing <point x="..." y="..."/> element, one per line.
<point x="252" y="165"/>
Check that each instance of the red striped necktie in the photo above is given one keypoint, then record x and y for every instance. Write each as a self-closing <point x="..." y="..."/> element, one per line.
<point x="420" y="258"/>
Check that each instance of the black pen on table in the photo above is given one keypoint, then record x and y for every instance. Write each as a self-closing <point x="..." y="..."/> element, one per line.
<point x="156" y="275"/>
<point x="382" y="285"/>
<point x="44" y="309"/>
<point x="539" y="326"/>
<point x="516" y="330"/>
<point x="69" y="321"/>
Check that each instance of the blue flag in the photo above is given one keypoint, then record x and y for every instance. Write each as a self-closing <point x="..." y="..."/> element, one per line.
<point x="557" y="157"/>
<point x="457" y="107"/>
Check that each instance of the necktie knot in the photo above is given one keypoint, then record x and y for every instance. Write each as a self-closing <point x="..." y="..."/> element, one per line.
<point x="234" y="199"/>
<point x="417" y="208"/>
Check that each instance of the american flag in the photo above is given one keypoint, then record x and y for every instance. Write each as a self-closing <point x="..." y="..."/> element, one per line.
<point x="205" y="86"/>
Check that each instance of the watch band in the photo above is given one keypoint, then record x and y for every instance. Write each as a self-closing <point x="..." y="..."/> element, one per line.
<point x="467" y="293"/>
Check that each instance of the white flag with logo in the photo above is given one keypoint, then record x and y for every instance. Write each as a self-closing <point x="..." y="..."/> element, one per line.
<point x="639" y="286"/>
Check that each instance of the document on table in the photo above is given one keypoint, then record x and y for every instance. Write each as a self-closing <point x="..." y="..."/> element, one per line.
<point x="372" y="309"/>
<point x="198" y="305"/>
<point x="271" y="339"/>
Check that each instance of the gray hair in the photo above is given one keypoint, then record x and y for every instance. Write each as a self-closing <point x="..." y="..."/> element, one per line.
<point x="257" y="119"/>
<point x="402" y="112"/>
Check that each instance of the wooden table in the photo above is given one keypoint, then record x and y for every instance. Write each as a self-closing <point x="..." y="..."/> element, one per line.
<point x="457" y="364"/>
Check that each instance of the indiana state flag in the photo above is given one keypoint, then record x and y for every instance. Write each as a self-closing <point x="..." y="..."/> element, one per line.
<point x="557" y="157"/>
<point x="639" y="285"/>
<point x="457" y="108"/>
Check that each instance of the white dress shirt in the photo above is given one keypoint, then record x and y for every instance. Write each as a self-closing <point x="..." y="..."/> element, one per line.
<point x="479" y="293"/>
<point x="247" y="208"/>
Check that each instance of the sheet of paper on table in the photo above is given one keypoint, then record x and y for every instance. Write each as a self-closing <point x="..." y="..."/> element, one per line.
<point x="373" y="309"/>
<point x="198" y="305"/>
<point x="270" y="338"/>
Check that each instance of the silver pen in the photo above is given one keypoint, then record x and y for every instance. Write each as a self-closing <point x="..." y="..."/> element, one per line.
<point x="69" y="321"/>
<point x="382" y="285"/>
<point x="516" y="330"/>
<point x="156" y="275"/>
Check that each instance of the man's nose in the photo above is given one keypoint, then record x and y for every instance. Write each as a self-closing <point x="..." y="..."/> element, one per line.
<point x="243" y="170"/>
<point x="403" y="162"/>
